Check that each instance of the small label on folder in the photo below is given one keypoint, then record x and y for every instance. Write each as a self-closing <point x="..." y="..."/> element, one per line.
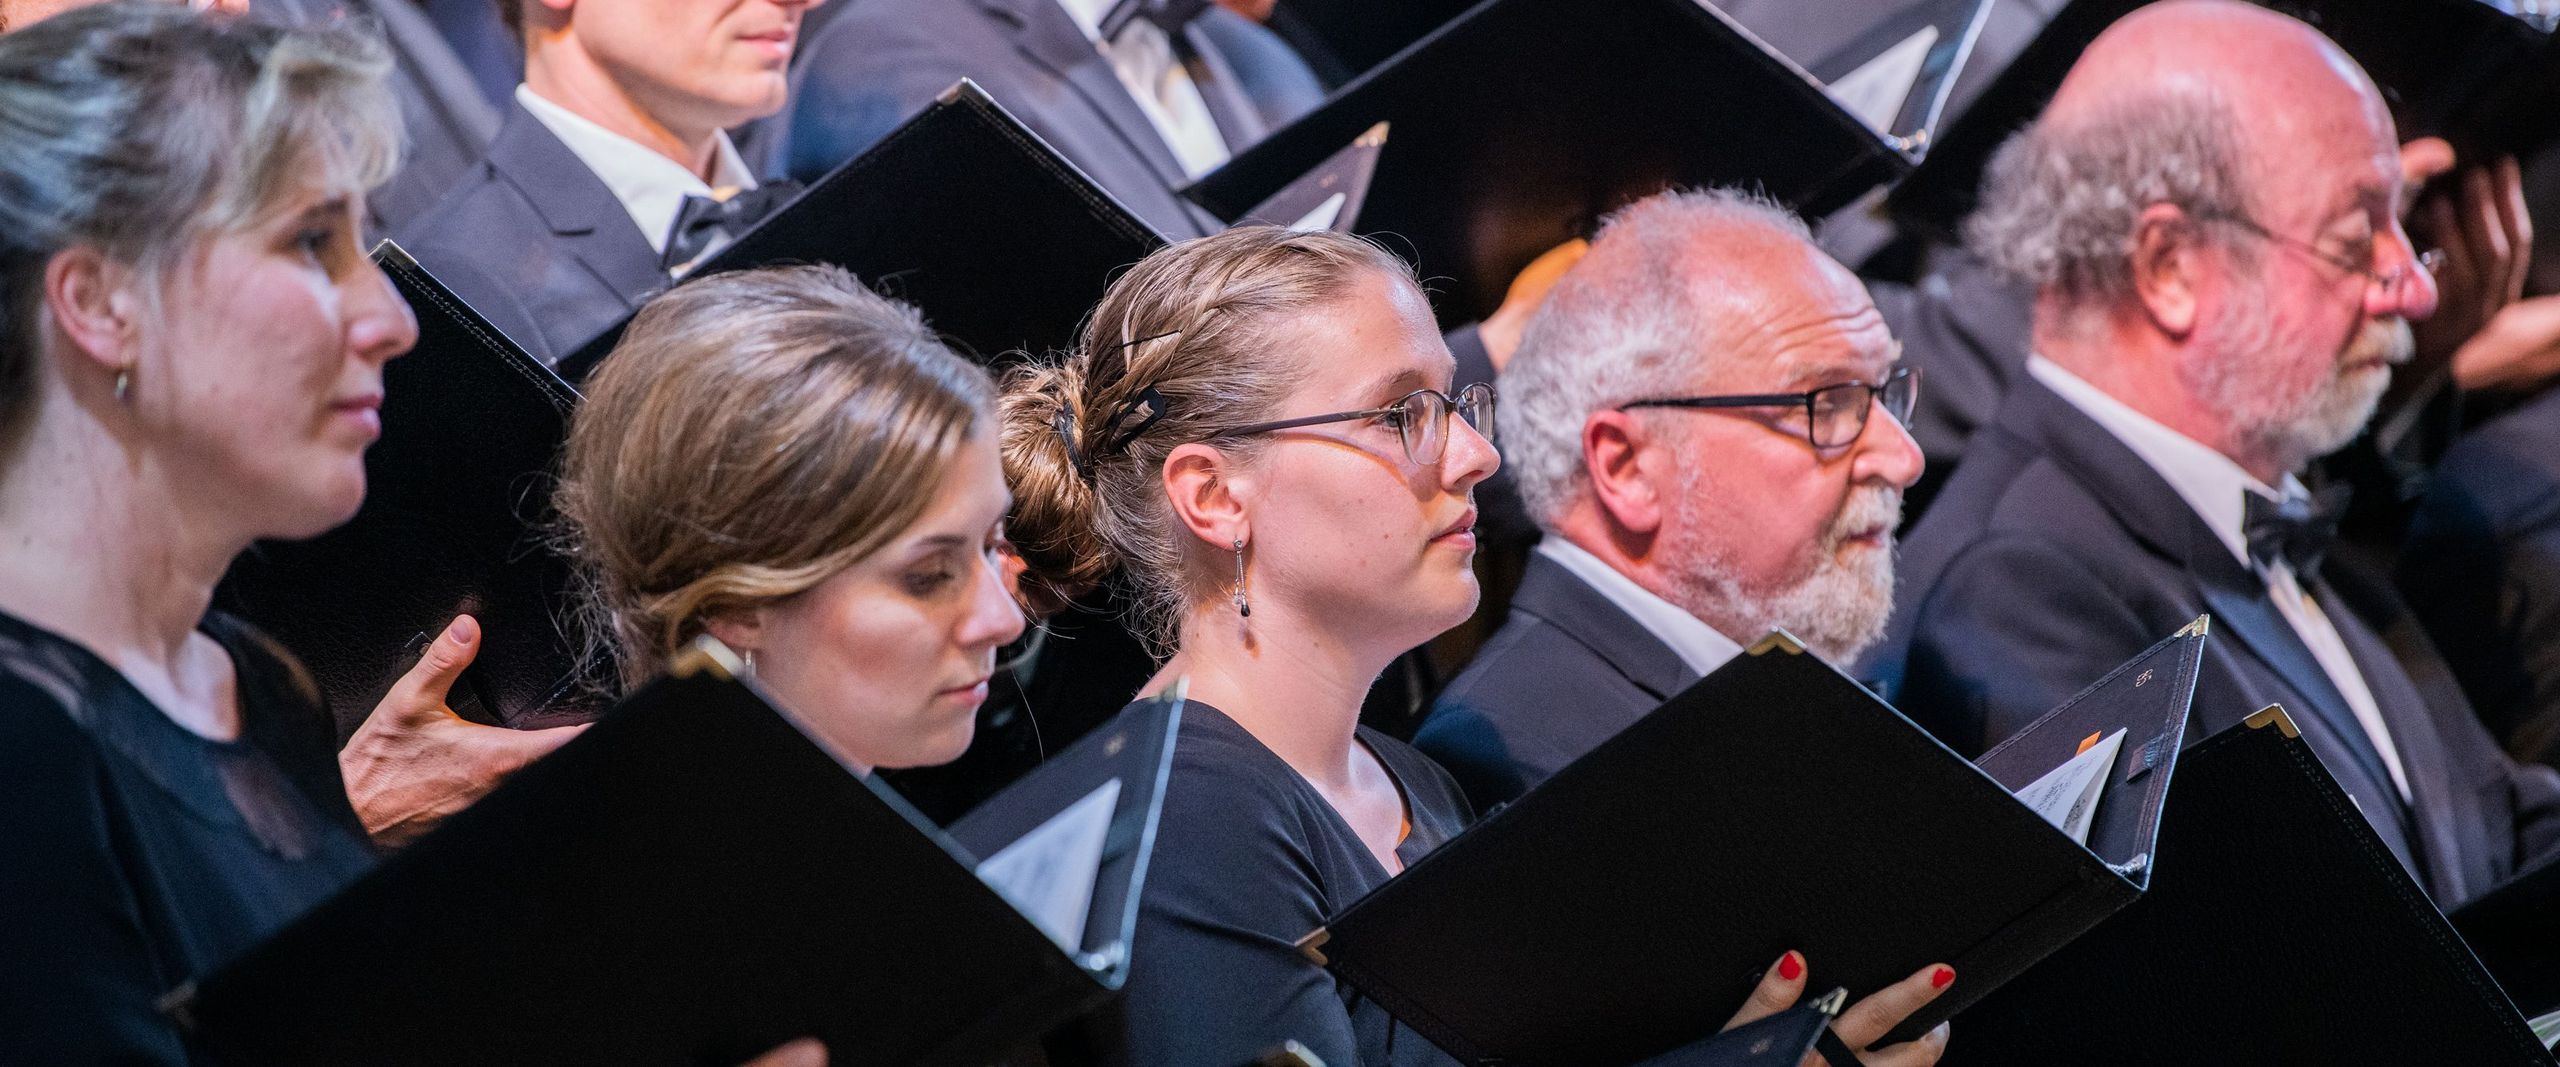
<point x="1048" y="874"/>
<point x="2067" y="796"/>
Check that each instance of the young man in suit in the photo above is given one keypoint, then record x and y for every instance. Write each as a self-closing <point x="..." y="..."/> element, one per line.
<point x="1142" y="95"/>
<point x="1681" y="523"/>
<point x="614" y="144"/>
<point x="2209" y="212"/>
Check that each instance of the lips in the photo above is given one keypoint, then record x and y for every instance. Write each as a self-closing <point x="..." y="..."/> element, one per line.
<point x="778" y="41"/>
<point x="364" y="409"/>
<point x="1465" y="525"/>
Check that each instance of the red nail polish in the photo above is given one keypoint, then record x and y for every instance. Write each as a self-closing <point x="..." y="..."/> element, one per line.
<point x="1791" y="966"/>
<point x="1943" y="976"/>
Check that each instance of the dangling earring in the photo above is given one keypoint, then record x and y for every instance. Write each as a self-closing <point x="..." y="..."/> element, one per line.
<point x="124" y="384"/>
<point x="1236" y="595"/>
<point x="749" y="656"/>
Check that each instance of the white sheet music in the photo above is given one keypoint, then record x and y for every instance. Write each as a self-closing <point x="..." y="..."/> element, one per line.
<point x="2067" y="796"/>
<point x="1322" y="217"/>
<point x="1048" y="873"/>
<point x="1876" y="91"/>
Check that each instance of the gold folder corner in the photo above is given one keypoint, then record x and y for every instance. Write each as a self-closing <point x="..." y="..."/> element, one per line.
<point x="2272" y="715"/>
<point x="706" y="653"/>
<point x="2198" y="628"/>
<point x="1776" y="640"/>
<point x="1313" y="944"/>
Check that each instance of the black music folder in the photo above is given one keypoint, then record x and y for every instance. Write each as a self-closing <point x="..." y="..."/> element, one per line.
<point x="2515" y="929"/>
<point x="2460" y="69"/>
<point x="457" y="502"/>
<point x="696" y="879"/>
<point x="1896" y="73"/>
<point x="960" y="211"/>
<point x="2279" y="930"/>
<point x="1520" y="123"/>
<point x="1330" y="196"/>
<point x="1619" y="908"/>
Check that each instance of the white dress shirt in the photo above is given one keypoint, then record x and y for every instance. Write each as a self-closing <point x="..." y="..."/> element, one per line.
<point x="2217" y="489"/>
<point x="1144" y="59"/>
<point x="1697" y="644"/>
<point x="650" y="186"/>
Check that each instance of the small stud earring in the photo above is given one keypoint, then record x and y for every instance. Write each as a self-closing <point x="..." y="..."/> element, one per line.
<point x="750" y="657"/>
<point x="124" y="384"/>
<point x="1244" y="607"/>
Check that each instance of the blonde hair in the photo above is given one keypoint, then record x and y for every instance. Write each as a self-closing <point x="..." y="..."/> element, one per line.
<point x="141" y="129"/>
<point x="1181" y="348"/>
<point x="753" y="434"/>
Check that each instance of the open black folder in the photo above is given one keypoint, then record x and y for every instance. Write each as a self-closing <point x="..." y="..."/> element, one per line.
<point x="1622" y="907"/>
<point x="1520" y="123"/>
<point x="696" y="879"/>
<point x="2279" y="930"/>
<point x="960" y="211"/>
<point x="2460" y="69"/>
<point x="457" y="501"/>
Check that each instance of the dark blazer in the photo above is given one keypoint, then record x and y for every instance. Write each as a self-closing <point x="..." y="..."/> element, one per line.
<point x="2056" y="553"/>
<point x="2482" y="568"/>
<point x="880" y="61"/>
<point x="536" y="243"/>
<point x="448" y="122"/>
<point x="1566" y="671"/>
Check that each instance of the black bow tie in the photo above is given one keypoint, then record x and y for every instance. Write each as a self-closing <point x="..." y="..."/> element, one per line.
<point x="2297" y="530"/>
<point x="702" y="216"/>
<point x="1168" y="15"/>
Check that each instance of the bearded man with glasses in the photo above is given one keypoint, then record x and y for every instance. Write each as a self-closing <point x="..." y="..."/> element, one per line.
<point x="1705" y="417"/>
<point x="2208" y="211"/>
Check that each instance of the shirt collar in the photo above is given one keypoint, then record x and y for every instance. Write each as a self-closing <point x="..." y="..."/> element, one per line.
<point x="1087" y="15"/>
<point x="650" y="186"/>
<point x="1697" y="644"/>
<point x="2211" y="484"/>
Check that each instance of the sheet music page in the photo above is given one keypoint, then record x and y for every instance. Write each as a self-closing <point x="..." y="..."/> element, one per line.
<point x="1876" y="91"/>
<point x="1048" y="873"/>
<point x="1322" y="217"/>
<point x="2546" y="1028"/>
<point x="2067" y="796"/>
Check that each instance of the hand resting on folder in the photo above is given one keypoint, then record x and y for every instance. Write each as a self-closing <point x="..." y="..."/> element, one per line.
<point x="1863" y="1023"/>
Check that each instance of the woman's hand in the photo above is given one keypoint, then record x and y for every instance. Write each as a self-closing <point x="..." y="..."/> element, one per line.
<point x="1863" y="1023"/>
<point x="806" y="1052"/>
<point x="414" y="761"/>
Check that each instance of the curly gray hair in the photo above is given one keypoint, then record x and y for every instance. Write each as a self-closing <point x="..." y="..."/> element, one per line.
<point x="1597" y="342"/>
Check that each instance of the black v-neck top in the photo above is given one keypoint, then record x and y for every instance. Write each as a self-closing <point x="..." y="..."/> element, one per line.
<point x="135" y="854"/>
<point x="1248" y="859"/>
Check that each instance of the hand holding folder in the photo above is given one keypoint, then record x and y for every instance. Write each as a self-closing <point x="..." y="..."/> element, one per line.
<point x="1776" y="804"/>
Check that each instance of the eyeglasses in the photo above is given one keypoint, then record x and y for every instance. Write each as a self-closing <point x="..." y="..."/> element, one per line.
<point x="1834" y="415"/>
<point x="2391" y="281"/>
<point x="1421" y="418"/>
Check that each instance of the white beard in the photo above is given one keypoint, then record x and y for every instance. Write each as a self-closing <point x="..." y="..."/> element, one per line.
<point x="1838" y="610"/>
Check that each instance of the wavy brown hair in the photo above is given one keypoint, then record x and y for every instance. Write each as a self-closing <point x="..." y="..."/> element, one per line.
<point x="753" y="434"/>
<point x="1084" y="444"/>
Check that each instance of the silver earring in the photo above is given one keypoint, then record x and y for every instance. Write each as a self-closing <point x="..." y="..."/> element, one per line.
<point x="124" y="384"/>
<point x="1236" y="595"/>
<point x="749" y="656"/>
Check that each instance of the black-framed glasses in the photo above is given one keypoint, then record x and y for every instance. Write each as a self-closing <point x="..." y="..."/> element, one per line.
<point x="1834" y="415"/>
<point x="2431" y="261"/>
<point x="1421" y="419"/>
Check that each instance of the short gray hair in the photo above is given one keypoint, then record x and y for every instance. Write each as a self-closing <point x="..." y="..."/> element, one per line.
<point x="1601" y="341"/>
<point x="2060" y="202"/>
<point x="141" y="128"/>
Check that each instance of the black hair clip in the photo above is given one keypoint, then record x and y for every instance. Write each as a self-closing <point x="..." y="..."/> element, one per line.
<point x="1064" y="422"/>
<point x="1147" y="407"/>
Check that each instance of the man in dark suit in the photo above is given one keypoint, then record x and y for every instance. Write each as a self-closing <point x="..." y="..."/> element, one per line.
<point x="606" y="178"/>
<point x="1681" y="521"/>
<point x="1142" y="104"/>
<point x="2208" y="212"/>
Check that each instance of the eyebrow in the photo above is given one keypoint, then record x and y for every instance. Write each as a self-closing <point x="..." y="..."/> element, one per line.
<point x="1397" y="383"/>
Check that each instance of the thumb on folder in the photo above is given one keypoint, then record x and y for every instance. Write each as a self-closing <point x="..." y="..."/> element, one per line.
<point x="806" y="1052"/>
<point x="1862" y="1023"/>
<point x="414" y="761"/>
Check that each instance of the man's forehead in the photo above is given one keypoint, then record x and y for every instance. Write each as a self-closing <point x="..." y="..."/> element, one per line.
<point x="1801" y="325"/>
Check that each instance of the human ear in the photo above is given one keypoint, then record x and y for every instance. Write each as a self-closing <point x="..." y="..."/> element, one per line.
<point x="1613" y="456"/>
<point x="2168" y="268"/>
<point x="90" y="298"/>
<point x="1206" y="487"/>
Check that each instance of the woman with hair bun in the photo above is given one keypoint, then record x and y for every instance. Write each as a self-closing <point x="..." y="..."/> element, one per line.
<point x="1259" y="433"/>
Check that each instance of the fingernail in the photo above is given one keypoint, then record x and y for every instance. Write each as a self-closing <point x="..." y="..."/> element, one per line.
<point x="459" y="630"/>
<point x="1791" y="966"/>
<point x="1939" y="978"/>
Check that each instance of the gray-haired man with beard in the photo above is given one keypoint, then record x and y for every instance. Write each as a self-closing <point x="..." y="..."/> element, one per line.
<point x="2208" y="210"/>
<point x="1705" y="418"/>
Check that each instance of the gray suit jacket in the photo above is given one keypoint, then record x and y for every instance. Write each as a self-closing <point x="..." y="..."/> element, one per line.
<point x="879" y="61"/>
<point x="534" y="241"/>
<point x="448" y="122"/>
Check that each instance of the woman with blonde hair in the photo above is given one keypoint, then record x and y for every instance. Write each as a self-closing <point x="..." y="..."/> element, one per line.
<point x="1259" y="433"/>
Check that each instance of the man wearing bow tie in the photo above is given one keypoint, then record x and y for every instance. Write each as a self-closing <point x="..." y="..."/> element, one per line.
<point x="611" y="175"/>
<point x="2208" y="211"/>
<point x="1142" y="95"/>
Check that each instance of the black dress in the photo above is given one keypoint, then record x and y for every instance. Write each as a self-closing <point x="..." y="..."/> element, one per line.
<point x="1249" y="858"/>
<point x="135" y="854"/>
